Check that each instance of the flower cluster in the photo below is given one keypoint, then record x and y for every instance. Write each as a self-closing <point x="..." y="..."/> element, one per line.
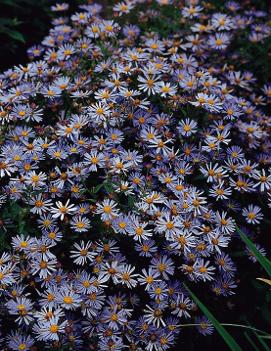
<point x="128" y="156"/>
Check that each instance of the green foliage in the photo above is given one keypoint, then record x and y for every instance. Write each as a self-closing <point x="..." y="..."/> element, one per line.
<point x="19" y="18"/>
<point x="264" y="262"/>
<point x="251" y="342"/>
<point x="220" y="329"/>
<point x="23" y="23"/>
<point x="7" y="27"/>
<point x="18" y="15"/>
<point x="267" y="281"/>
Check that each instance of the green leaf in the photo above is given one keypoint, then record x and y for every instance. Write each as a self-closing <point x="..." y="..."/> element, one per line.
<point x="184" y="112"/>
<point x="15" y="210"/>
<point x="264" y="262"/>
<point x="221" y="330"/>
<point x="97" y="188"/>
<point x="265" y="312"/>
<point x="131" y="201"/>
<point x="263" y="343"/>
<point x="267" y="281"/>
<point x="11" y="3"/>
<point x="108" y="187"/>
<point x="5" y="22"/>
<point x="255" y="348"/>
<point x="14" y="34"/>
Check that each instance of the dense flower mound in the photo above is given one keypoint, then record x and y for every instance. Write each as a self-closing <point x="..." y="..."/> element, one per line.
<point x="130" y="149"/>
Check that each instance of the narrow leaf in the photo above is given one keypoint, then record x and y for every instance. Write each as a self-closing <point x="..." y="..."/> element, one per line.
<point x="255" y="348"/>
<point x="267" y="281"/>
<point x="221" y="330"/>
<point x="16" y="35"/>
<point x="95" y="189"/>
<point x="11" y="3"/>
<point x="264" y="262"/>
<point x="263" y="343"/>
<point x="108" y="187"/>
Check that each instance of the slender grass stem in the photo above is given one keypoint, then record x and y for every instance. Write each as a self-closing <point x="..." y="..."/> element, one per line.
<point x="226" y="325"/>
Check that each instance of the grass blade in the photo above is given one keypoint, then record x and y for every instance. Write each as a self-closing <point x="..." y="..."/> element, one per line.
<point x="221" y="330"/>
<point x="14" y="34"/>
<point x="263" y="343"/>
<point x="264" y="262"/>
<point x="255" y="348"/>
<point x="267" y="281"/>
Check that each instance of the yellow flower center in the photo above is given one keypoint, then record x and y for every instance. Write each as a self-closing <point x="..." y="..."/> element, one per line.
<point x="68" y="300"/>
<point x="54" y="328"/>
<point x="107" y="209"/>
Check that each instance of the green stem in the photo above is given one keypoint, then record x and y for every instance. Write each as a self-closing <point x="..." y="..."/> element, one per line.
<point x="225" y="325"/>
<point x="251" y="341"/>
